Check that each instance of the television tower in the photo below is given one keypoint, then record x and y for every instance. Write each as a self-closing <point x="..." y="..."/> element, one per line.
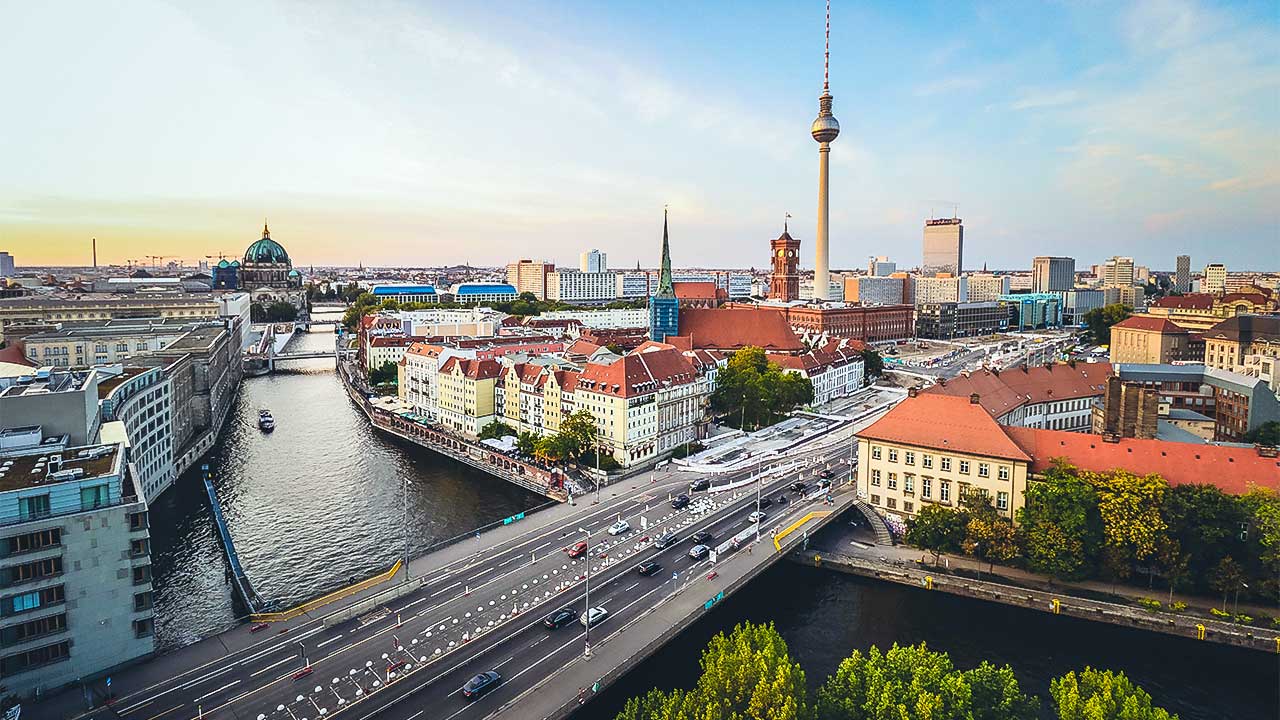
<point x="824" y="130"/>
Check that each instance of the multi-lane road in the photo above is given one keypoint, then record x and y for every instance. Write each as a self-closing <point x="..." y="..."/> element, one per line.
<point x="410" y="657"/>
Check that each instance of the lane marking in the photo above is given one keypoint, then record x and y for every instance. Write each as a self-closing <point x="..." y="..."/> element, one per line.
<point x="332" y="639"/>
<point x="166" y="712"/>
<point x="214" y="692"/>
<point x="445" y="589"/>
<point x="424" y="598"/>
<point x="272" y="665"/>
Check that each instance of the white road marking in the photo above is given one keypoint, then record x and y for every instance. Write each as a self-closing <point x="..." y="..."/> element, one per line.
<point x="409" y="605"/>
<point x="332" y="639"/>
<point x="445" y="589"/>
<point x="224" y="687"/>
<point x="272" y="665"/>
<point x="504" y="662"/>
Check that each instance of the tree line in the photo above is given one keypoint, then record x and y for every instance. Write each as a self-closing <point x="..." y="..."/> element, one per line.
<point x="1116" y="525"/>
<point x="525" y="305"/>
<point x="749" y="674"/>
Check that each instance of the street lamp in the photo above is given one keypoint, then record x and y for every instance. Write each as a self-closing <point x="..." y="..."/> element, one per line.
<point x="586" y="646"/>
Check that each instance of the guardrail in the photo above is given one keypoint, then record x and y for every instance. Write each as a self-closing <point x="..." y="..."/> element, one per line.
<point x="323" y="600"/>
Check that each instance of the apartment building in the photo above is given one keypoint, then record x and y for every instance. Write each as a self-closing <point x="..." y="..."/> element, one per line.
<point x="1215" y="279"/>
<point x="1052" y="274"/>
<point x="1233" y="343"/>
<point x="1052" y="397"/>
<point x="1154" y="340"/>
<point x="466" y="394"/>
<point x="985" y="287"/>
<point x="585" y="288"/>
<point x="104" y="342"/>
<point x="75" y="565"/>
<point x="136" y="404"/>
<point x="530" y="276"/>
<point x="96" y="306"/>
<point x="835" y="372"/>
<point x="941" y="289"/>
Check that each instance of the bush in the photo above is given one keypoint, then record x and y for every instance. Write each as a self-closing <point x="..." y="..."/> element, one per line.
<point x="1178" y="606"/>
<point x="1219" y="613"/>
<point x="1243" y="619"/>
<point x="1149" y="604"/>
<point x="694" y="449"/>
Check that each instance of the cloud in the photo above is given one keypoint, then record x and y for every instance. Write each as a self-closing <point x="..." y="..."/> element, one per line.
<point x="1039" y="99"/>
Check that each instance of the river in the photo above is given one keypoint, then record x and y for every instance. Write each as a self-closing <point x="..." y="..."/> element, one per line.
<point x="320" y="501"/>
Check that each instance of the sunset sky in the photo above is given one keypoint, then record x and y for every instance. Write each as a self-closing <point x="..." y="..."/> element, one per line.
<point x="415" y="133"/>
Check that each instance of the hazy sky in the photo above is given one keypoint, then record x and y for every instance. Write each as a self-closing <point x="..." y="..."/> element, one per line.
<point x="417" y="133"/>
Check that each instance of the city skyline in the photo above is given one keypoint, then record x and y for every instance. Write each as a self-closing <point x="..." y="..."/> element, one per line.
<point x="410" y="135"/>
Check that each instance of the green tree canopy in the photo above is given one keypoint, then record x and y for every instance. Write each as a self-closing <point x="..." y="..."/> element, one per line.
<point x="384" y="373"/>
<point x="1098" y="321"/>
<point x="937" y="529"/>
<point x="872" y="363"/>
<point x="496" y="430"/>
<point x="1102" y="695"/>
<point x="1205" y="522"/>
<point x="1268" y="433"/>
<point x="1132" y="527"/>
<point x="755" y="392"/>
<point x="1060" y="523"/>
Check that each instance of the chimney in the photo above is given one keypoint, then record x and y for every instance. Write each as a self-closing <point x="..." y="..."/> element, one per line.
<point x="974" y="398"/>
<point x="913" y="392"/>
<point x="1112" y="438"/>
<point x="942" y="381"/>
<point x="1266" y="451"/>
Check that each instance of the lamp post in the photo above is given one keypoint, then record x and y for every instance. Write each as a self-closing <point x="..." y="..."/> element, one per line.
<point x="586" y="643"/>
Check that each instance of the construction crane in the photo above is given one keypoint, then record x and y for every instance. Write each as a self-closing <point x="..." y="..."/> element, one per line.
<point x="154" y="258"/>
<point x="220" y="256"/>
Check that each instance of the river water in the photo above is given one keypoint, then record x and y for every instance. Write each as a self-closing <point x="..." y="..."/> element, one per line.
<point x="320" y="501"/>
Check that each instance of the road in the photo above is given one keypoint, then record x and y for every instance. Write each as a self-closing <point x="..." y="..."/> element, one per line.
<point x="481" y="612"/>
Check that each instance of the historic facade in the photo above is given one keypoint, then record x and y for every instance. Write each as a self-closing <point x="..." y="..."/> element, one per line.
<point x="267" y="274"/>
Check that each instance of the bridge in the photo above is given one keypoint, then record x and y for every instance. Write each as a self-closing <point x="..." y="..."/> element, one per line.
<point x="262" y="356"/>
<point x="476" y="603"/>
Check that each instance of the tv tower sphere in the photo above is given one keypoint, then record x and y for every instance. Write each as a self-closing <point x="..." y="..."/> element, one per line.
<point x="825" y="128"/>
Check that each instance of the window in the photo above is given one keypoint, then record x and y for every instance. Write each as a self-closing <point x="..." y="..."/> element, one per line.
<point x="908" y="506"/>
<point x="946" y="464"/>
<point x="139" y="547"/>
<point x="31" y="542"/>
<point x="891" y="503"/>
<point x="142" y="601"/>
<point x="893" y="481"/>
<point x="926" y="461"/>
<point x="875" y="499"/>
<point x="33" y="600"/>
<point x="1002" y="501"/>
<point x="138" y="521"/>
<point x="23" y="661"/>
<point x="908" y="483"/>
<point x="93" y="497"/>
<point x="1002" y="472"/>
<point x="984" y="470"/>
<point x="39" y="627"/>
<point x="142" y="575"/>
<point x="926" y="488"/>
<point x="909" y="457"/>
<point x="964" y="467"/>
<point x="944" y="491"/>
<point x="875" y="477"/>
<point x="893" y="455"/>
<point x="33" y="507"/>
<point x="35" y="570"/>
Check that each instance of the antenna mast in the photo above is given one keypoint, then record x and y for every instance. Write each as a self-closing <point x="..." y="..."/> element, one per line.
<point x="826" y="57"/>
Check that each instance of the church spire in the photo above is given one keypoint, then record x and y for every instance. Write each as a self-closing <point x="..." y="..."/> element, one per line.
<point x="665" y="287"/>
<point x="266" y="231"/>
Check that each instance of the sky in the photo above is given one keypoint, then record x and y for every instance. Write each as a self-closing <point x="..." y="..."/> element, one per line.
<point x="416" y="133"/>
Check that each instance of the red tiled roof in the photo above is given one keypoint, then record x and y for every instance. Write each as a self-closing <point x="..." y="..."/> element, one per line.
<point x="1253" y="297"/>
<point x="638" y="373"/>
<point x="582" y="347"/>
<point x="1151" y="323"/>
<point x="736" y="328"/>
<point x="473" y="369"/>
<point x="1005" y="391"/>
<point x="947" y="423"/>
<point x="695" y="290"/>
<point x="1247" y="328"/>
<point x="1231" y="468"/>
<point x="1192" y="301"/>
<point x="16" y="354"/>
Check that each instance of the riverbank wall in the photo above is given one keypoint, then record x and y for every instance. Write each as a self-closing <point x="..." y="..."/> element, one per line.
<point x="1204" y="629"/>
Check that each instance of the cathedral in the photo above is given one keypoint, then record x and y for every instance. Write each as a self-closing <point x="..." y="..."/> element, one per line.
<point x="266" y="273"/>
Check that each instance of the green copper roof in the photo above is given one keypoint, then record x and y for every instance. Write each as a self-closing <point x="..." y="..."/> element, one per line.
<point x="665" y="288"/>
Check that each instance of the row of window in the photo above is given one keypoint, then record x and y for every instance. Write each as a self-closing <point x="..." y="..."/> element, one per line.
<point x="33" y="600"/>
<point x="944" y="462"/>
<point x="926" y="487"/>
<point x="31" y="542"/>
<point x="30" y="571"/>
<point x="31" y="629"/>
<point x="29" y="659"/>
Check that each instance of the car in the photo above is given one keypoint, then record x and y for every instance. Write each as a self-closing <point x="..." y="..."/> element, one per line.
<point x="481" y="684"/>
<point x="699" y="485"/>
<point x="764" y="502"/>
<point x="619" y="527"/>
<point x="697" y="552"/>
<point x="593" y="617"/>
<point x="560" y="618"/>
<point x="797" y="487"/>
<point x="825" y="474"/>
<point x="648" y="568"/>
<point x="680" y="501"/>
<point x="578" y="550"/>
<point x="756" y="517"/>
<point x="667" y="538"/>
<point x="782" y="500"/>
<point x="701" y="538"/>
<point x="824" y="483"/>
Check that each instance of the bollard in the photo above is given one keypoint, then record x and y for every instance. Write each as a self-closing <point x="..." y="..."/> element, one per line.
<point x="1056" y="606"/>
<point x="1200" y="632"/>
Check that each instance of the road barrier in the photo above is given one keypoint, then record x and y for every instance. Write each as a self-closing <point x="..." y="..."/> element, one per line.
<point x="323" y="600"/>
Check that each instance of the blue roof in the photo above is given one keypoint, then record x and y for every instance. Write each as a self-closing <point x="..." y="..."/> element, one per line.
<point x="404" y="290"/>
<point x="479" y="289"/>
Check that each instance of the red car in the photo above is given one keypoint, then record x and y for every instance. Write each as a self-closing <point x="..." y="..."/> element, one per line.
<point x="578" y="550"/>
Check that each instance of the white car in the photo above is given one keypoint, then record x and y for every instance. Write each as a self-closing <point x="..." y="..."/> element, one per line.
<point x="593" y="617"/>
<point x="756" y="517"/>
<point x="619" y="527"/>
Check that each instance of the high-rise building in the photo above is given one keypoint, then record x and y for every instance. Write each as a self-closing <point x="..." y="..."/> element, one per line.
<point x="530" y="276"/>
<point x="824" y="131"/>
<point x="985" y="287"/>
<point x="6" y="264"/>
<point x="664" y="306"/>
<point x="943" y="246"/>
<point x="784" y="282"/>
<point x="594" y="261"/>
<point x="1052" y="274"/>
<point x="941" y="289"/>
<point x="1182" y="276"/>
<point x="1215" y="279"/>
<point x="572" y="286"/>
<point x="881" y="266"/>
<point x="1117" y="272"/>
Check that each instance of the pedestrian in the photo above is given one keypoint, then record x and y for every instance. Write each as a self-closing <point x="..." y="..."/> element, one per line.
<point x="582" y="696"/>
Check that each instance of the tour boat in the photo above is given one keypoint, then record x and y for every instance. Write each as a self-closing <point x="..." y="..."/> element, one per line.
<point x="266" y="423"/>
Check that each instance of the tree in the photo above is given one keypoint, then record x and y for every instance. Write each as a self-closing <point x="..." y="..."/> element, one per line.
<point x="278" y="311"/>
<point x="496" y="430"/>
<point x="1132" y="527"/>
<point x="579" y="431"/>
<point x="987" y="535"/>
<point x="1262" y="510"/>
<point x="1268" y="433"/>
<point x="754" y="392"/>
<point x="1102" y="695"/>
<point x="1098" y="321"/>
<point x="872" y="364"/>
<point x="384" y="373"/>
<point x="1061" y="527"/>
<point x="526" y="443"/>
<point x="1227" y="576"/>
<point x="937" y="529"/>
<point x="913" y="682"/>
<point x="1203" y="521"/>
